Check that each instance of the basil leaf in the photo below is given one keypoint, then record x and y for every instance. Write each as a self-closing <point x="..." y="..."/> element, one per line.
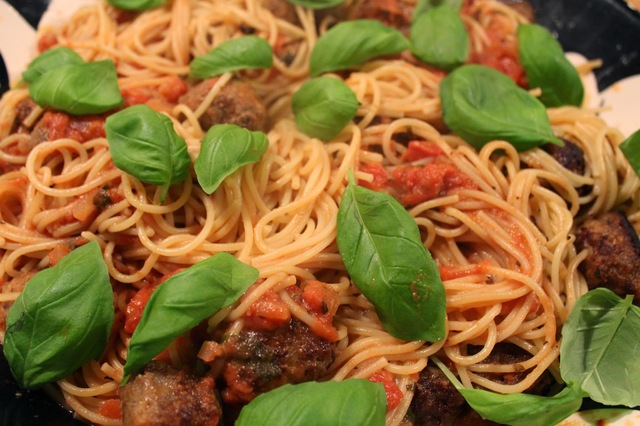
<point x="50" y="60"/>
<point x="424" y="5"/>
<point x="519" y="409"/>
<point x="183" y="301"/>
<point x="144" y="144"/>
<point x="136" y="4"/>
<point x="547" y="67"/>
<point x="439" y="38"/>
<point x="317" y="4"/>
<point x="86" y="88"/>
<point x="224" y="149"/>
<point x="61" y="320"/>
<point x="350" y="402"/>
<point x="381" y="248"/>
<point x="248" y="52"/>
<point x="630" y="147"/>
<point x="600" y="349"/>
<point x="481" y="104"/>
<point x="323" y="106"/>
<point x="351" y="43"/>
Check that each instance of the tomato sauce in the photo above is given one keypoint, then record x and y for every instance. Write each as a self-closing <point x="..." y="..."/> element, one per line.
<point x="60" y="125"/>
<point x="394" y="394"/>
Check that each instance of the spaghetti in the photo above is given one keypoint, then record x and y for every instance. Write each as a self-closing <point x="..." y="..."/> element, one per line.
<point x="501" y="232"/>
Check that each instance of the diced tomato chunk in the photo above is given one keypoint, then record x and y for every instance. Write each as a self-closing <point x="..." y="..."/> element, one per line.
<point x="394" y="394"/>
<point x="417" y="150"/>
<point x="111" y="409"/>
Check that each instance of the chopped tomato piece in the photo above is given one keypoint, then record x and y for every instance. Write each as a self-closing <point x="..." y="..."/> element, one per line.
<point x="380" y="177"/>
<point x="267" y="313"/>
<point x="394" y="394"/>
<point x="419" y="184"/>
<point x="417" y="150"/>
<point x="111" y="409"/>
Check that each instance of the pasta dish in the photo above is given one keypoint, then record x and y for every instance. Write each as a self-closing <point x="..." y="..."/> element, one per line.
<point x="510" y="230"/>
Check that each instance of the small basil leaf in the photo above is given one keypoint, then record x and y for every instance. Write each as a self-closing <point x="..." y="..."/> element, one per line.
<point x="61" y="320"/>
<point x="248" y="52"/>
<point x="439" y="38"/>
<point x="225" y="148"/>
<point x="323" y="106"/>
<point x="481" y="104"/>
<point x="183" y="301"/>
<point x="136" y="4"/>
<point x="631" y="149"/>
<point x="519" y="409"/>
<point x="50" y="60"/>
<point x="87" y="88"/>
<point x="349" y="402"/>
<point x="600" y="349"/>
<point x="352" y="43"/>
<point x="424" y="5"/>
<point x="547" y="67"/>
<point x="380" y="245"/>
<point x="317" y="4"/>
<point x="144" y="144"/>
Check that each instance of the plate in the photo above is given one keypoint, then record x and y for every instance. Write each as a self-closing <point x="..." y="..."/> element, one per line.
<point x="604" y="29"/>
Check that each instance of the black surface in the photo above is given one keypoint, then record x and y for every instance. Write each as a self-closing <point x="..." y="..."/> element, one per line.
<point x="605" y="29"/>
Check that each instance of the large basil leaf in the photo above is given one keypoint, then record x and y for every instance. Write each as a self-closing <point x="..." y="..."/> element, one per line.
<point x="50" y="60"/>
<point x="630" y="147"/>
<point x="248" y="52"/>
<point x="61" y="320"/>
<point x="183" y="301"/>
<point x="144" y="144"/>
<point x="547" y="67"/>
<point x="350" y="402"/>
<point x="86" y="88"/>
<point x="439" y="38"/>
<point x="323" y="106"/>
<point x="351" y="43"/>
<point x="381" y="248"/>
<point x="481" y="104"/>
<point x="519" y="409"/>
<point x="224" y="149"/>
<point x="424" y="5"/>
<point x="600" y="348"/>
<point x="317" y="4"/>
<point x="136" y="4"/>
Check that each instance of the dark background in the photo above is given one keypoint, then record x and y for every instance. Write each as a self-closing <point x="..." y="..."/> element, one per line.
<point x="604" y="29"/>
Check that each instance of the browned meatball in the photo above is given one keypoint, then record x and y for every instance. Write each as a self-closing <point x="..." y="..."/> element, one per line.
<point x="282" y="9"/>
<point x="257" y="361"/>
<point x="613" y="261"/>
<point x="162" y="395"/>
<point x="396" y="14"/>
<point x="570" y="156"/>
<point x="236" y="103"/>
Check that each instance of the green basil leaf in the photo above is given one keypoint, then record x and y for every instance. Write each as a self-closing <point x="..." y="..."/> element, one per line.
<point x="61" y="320"/>
<point x="224" y="149"/>
<point x="183" y="301"/>
<point x="323" y="106"/>
<point x="349" y="402"/>
<point x="519" y="409"/>
<point x="600" y="349"/>
<point x="136" y="4"/>
<point x="381" y="248"/>
<point x="630" y="147"/>
<point x="317" y="4"/>
<point x="424" y="5"/>
<point x="144" y="144"/>
<point x="439" y="38"/>
<point x="547" y="67"/>
<point x="50" y="60"/>
<point x="86" y="88"/>
<point x="352" y="43"/>
<point x="248" y="52"/>
<point x="481" y="104"/>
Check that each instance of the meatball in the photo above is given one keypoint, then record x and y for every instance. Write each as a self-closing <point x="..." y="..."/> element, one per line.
<point x="236" y="103"/>
<point x="613" y="261"/>
<point x="257" y="361"/>
<point x="282" y="9"/>
<point x="162" y="395"/>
